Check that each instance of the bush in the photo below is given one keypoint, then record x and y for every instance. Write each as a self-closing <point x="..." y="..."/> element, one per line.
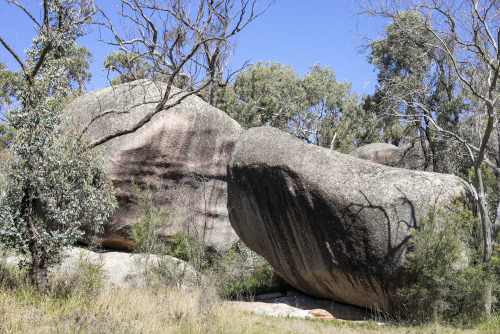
<point x="235" y="272"/>
<point x="447" y="279"/>
<point x="241" y="272"/>
<point x="12" y="276"/>
<point x="86" y="280"/>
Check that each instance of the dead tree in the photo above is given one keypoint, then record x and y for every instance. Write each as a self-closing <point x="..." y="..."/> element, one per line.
<point x="185" y="43"/>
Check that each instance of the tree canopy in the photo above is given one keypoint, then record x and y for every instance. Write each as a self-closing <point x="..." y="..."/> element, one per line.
<point x="439" y="66"/>
<point x="316" y="107"/>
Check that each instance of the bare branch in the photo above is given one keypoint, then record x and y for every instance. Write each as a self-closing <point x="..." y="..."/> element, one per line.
<point x="25" y="10"/>
<point x="13" y="53"/>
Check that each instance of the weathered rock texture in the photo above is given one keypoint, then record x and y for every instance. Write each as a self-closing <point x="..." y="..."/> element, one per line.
<point x="297" y="305"/>
<point x="410" y="156"/>
<point x="121" y="268"/>
<point x="376" y="152"/>
<point x="185" y="148"/>
<point x="334" y="226"/>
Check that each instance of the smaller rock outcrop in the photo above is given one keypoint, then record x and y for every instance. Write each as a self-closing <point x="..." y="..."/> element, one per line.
<point x="122" y="268"/>
<point x="297" y="305"/>
<point x="376" y="152"/>
<point x="411" y="156"/>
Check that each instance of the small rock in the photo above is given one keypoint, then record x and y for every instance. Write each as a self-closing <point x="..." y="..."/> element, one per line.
<point x="321" y="314"/>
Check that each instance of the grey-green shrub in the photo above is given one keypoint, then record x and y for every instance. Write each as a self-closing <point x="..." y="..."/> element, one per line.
<point x="241" y="272"/>
<point x="86" y="280"/>
<point x="447" y="279"/>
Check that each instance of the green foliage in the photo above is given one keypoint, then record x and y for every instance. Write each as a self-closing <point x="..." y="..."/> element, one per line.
<point x="11" y="276"/>
<point x="265" y="93"/>
<point x="315" y="107"/>
<point x="179" y="246"/>
<point x="447" y="280"/>
<point x="69" y="186"/>
<point x="235" y="272"/>
<point x="9" y="81"/>
<point x="55" y="183"/>
<point x="241" y="272"/>
<point x="79" y="59"/>
<point x="404" y="50"/>
<point x="403" y="60"/>
<point x="491" y="187"/>
<point x="416" y="83"/>
<point x="129" y="66"/>
<point x="6" y="135"/>
<point x="85" y="281"/>
<point x="144" y="235"/>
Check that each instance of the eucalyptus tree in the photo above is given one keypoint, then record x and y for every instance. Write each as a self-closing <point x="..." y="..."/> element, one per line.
<point x="404" y="60"/>
<point x="264" y="93"/>
<point x="79" y="59"/>
<point x="8" y="80"/>
<point x="129" y="66"/>
<point x="331" y="116"/>
<point x="466" y="35"/>
<point x="55" y="183"/>
<point x="315" y="107"/>
<point x="411" y="68"/>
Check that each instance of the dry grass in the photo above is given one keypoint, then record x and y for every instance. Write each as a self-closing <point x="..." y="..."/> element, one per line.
<point x="79" y="303"/>
<point x="169" y="310"/>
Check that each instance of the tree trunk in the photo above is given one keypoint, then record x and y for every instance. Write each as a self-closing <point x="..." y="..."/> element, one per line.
<point x="39" y="254"/>
<point x="483" y="212"/>
<point x="497" y="160"/>
<point x="214" y="87"/>
<point x="429" y="165"/>
<point x="40" y="267"/>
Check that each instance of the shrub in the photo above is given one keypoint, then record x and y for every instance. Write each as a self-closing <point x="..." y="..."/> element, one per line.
<point x="447" y="279"/>
<point x="86" y="280"/>
<point x="235" y="272"/>
<point x="241" y="272"/>
<point x="12" y="276"/>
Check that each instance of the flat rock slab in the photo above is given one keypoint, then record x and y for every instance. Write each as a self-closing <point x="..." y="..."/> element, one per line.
<point x="298" y="305"/>
<point x="122" y="268"/>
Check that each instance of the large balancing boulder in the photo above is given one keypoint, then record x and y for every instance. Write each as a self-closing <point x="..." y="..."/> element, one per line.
<point x="184" y="149"/>
<point x="332" y="225"/>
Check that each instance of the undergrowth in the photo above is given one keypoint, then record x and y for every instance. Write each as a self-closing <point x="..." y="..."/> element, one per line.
<point x="448" y="282"/>
<point x="164" y="309"/>
<point x="234" y="273"/>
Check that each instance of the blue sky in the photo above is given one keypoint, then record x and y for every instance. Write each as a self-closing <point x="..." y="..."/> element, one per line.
<point x="293" y="32"/>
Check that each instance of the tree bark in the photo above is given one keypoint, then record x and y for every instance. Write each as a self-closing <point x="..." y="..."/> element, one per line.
<point x="497" y="160"/>
<point x="481" y="197"/>
<point x="483" y="212"/>
<point x="214" y="87"/>
<point x="40" y="265"/>
<point x="39" y="254"/>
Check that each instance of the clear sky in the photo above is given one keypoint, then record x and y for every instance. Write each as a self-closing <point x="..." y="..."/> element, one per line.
<point x="293" y="32"/>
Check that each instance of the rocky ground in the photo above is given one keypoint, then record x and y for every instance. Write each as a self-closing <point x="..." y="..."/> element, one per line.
<point x="297" y="305"/>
